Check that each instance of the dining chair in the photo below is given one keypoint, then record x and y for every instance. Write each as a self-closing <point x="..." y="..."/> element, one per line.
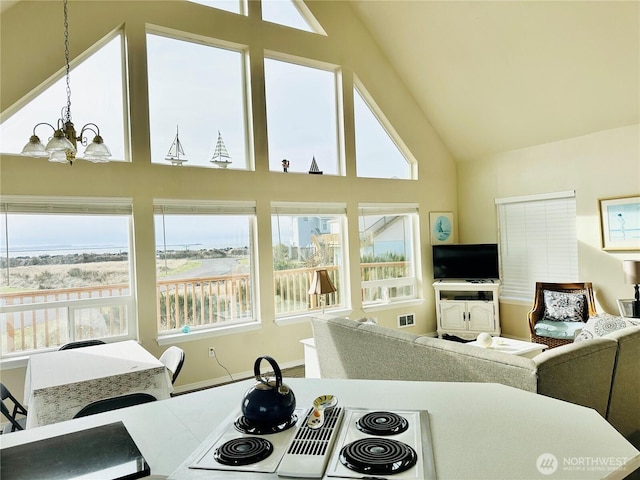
<point x="11" y="415"/>
<point x="114" y="403"/>
<point x="80" y="344"/>
<point x="173" y="359"/>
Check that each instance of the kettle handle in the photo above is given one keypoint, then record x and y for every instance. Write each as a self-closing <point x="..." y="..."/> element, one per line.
<point x="276" y="370"/>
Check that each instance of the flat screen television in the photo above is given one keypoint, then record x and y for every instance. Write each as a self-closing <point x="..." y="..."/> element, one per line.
<point x="466" y="261"/>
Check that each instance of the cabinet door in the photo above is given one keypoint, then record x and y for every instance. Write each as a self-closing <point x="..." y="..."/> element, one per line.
<point x="453" y="315"/>
<point x="481" y="316"/>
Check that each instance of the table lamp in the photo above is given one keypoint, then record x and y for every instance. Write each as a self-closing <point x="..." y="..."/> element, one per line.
<point x="631" y="270"/>
<point x="321" y="285"/>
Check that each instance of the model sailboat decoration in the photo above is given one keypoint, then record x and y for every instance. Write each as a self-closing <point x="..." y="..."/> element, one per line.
<point x="313" y="169"/>
<point x="221" y="156"/>
<point x="175" y="150"/>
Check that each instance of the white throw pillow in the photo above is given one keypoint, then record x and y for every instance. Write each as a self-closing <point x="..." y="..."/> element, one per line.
<point x="603" y="323"/>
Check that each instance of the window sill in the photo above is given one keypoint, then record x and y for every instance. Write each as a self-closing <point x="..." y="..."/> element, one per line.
<point x="175" y="338"/>
<point x="302" y="318"/>
<point x="377" y="307"/>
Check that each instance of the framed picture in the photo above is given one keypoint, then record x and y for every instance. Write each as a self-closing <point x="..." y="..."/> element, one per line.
<point x="441" y="227"/>
<point x="620" y="223"/>
<point x="626" y="307"/>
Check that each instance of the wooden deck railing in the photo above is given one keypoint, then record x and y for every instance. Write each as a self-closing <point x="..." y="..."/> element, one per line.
<point x="42" y="318"/>
<point x="193" y="301"/>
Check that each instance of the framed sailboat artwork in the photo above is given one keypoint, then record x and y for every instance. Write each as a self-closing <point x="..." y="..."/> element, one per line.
<point x="441" y="226"/>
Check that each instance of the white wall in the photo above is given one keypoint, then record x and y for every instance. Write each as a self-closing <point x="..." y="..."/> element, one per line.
<point x="602" y="165"/>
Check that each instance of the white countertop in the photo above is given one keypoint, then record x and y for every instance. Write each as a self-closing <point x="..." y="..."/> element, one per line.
<point x="479" y="431"/>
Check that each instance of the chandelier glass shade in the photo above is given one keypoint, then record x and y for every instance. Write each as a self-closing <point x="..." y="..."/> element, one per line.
<point x="62" y="146"/>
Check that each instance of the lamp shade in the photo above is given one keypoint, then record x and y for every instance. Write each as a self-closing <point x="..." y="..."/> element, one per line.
<point x="321" y="284"/>
<point x="59" y="143"/>
<point x="58" y="156"/>
<point x="631" y="270"/>
<point x="97" y="151"/>
<point x="34" y="148"/>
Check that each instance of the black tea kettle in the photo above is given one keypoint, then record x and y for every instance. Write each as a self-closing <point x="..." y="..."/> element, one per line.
<point x="269" y="402"/>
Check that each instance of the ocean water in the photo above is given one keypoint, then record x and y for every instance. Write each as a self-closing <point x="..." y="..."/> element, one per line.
<point x="51" y="250"/>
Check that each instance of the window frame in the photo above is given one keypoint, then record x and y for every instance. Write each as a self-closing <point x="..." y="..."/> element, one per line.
<point x="247" y="110"/>
<point x="317" y="209"/>
<point x="215" y="208"/>
<point x="409" y="210"/>
<point x="335" y="70"/>
<point x="360" y="90"/>
<point x="74" y="206"/>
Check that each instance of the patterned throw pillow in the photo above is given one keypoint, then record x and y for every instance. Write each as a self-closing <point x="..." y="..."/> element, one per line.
<point x="564" y="307"/>
<point x="604" y="323"/>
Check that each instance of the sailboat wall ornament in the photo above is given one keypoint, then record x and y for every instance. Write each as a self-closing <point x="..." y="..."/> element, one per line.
<point x="175" y="150"/>
<point x="313" y="169"/>
<point x="221" y="156"/>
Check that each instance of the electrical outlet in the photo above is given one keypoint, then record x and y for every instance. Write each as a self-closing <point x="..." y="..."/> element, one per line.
<point x="407" y="320"/>
<point x="212" y="352"/>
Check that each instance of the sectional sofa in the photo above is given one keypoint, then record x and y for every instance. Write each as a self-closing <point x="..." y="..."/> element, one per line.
<point x="601" y="373"/>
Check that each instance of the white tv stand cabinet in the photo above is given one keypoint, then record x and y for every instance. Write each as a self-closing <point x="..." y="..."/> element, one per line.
<point x="465" y="308"/>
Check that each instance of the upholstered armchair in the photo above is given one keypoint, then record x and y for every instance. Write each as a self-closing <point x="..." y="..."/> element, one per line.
<point x="539" y="310"/>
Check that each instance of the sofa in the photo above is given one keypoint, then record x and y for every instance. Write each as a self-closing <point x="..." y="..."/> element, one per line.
<point x="602" y="373"/>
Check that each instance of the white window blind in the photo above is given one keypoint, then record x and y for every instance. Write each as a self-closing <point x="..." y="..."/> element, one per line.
<point x="194" y="207"/>
<point x="65" y="205"/>
<point x="308" y="208"/>
<point x="538" y="242"/>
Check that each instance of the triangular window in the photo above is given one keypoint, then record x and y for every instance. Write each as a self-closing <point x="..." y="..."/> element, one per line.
<point x="96" y="97"/>
<point x="232" y="6"/>
<point x="290" y="13"/>
<point x="377" y="153"/>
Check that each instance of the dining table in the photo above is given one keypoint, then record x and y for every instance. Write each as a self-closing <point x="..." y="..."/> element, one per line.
<point x="59" y="384"/>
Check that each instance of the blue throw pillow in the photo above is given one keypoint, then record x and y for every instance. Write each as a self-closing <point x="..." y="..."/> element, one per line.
<point x="559" y="330"/>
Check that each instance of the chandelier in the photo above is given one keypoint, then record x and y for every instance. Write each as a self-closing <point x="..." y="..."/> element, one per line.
<point x="62" y="147"/>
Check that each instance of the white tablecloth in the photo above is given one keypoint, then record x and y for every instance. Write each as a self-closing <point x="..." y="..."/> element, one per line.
<point x="58" y="384"/>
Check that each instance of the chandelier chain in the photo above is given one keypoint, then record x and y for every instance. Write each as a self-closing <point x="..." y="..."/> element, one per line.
<point x="66" y="58"/>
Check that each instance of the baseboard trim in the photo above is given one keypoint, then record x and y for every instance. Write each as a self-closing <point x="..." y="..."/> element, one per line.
<point x="237" y="377"/>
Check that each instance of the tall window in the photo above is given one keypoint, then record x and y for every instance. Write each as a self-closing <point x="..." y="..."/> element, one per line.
<point x="377" y="154"/>
<point x="307" y="237"/>
<point x="205" y="257"/>
<point x="388" y="252"/>
<point x="65" y="272"/>
<point x="538" y="242"/>
<point x="301" y="117"/>
<point x="96" y="96"/>
<point x="203" y="124"/>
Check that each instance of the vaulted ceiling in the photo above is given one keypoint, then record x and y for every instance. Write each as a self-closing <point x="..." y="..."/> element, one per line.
<point x="494" y="76"/>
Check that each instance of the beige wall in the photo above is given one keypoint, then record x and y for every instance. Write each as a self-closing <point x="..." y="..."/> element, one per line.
<point x="601" y="165"/>
<point x="27" y="31"/>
